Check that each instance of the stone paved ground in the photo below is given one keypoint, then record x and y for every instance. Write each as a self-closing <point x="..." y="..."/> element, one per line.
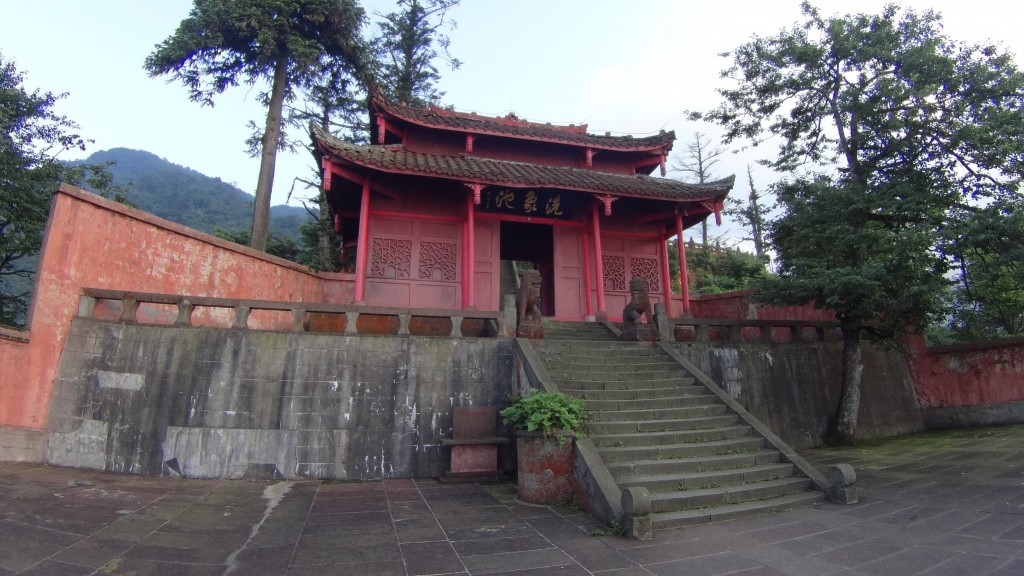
<point x="949" y="503"/>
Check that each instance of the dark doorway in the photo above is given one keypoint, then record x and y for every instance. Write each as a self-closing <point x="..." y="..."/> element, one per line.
<point x="534" y="244"/>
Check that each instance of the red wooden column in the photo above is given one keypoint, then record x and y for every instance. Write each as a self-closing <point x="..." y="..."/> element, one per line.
<point x="684" y="280"/>
<point x="469" y="250"/>
<point x="598" y="264"/>
<point x="588" y="305"/>
<point x="666" y="275"/>
<point x="361" y="247"/>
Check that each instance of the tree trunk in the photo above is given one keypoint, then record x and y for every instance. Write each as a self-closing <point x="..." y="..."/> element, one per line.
<point x="324" y="249"/>
<point x="844" y="423"/>
<point x="268" y="158"/>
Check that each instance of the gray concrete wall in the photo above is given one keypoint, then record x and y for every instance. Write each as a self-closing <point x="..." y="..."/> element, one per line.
<point x="794" y="388"/>
<point x="227" y="403"/>
<point x="224" y="403"/>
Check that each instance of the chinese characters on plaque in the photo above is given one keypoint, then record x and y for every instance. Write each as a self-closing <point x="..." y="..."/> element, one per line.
<point x="539" y="203"/>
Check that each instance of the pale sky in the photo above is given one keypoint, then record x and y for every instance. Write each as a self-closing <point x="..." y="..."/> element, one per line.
<point x="628" y="67"/>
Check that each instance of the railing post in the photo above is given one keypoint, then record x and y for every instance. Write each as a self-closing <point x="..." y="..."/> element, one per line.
<point x="700" y="332"/>
<point x="766" y="333"/>
<point x="86" y="306"/>
<point x="298" y="316"/>
<point x="735" y="332"/>
<point x="129" y="306"/>
<point x="351" y="318"/>
<point x="794" y="333"/>
<point x="456" y="327"/>
<point x="403" y="324"/>
<point x="819" y="333"/>
<point x="185" y="308"/>
<point x="241" y="317"/>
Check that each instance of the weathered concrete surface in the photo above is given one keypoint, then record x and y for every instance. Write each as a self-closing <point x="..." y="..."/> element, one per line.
<point x="935" y="504"/>
<point x="794" y="388"/>
<point x="209" y="403"/>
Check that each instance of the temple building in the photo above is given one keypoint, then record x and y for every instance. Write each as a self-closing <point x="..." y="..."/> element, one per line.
<point x="442" y="202"/>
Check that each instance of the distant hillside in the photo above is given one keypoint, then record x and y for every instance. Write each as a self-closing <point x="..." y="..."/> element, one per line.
<point x="190" y="198"/>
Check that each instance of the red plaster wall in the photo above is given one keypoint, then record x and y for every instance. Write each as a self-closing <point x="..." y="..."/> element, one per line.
<point x="967" y="375"/>
<point x="95" y="243"/>
<point x="738" y="306"/>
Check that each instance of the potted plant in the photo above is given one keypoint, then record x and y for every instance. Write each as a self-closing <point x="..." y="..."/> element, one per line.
<point x="544" y="424"/>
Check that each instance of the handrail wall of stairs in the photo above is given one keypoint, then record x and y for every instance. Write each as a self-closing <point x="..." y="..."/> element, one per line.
<point x="592" y="476"/>
<point x="805" y="467"/>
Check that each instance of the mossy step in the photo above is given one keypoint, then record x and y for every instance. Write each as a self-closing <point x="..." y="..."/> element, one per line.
<point x="699" y="411"/>
<point x="684" y="466"/>
<point x="670" y="436"/>
<point x="671" y="391"/>
<point x="694" y="517"/>
<point x="676" y="401"/>
<point x="681" y="450"/>
<point x="707" y="480"/>
<point x="654" y="383"/>
<point x="738" y="494"/>
<point x="627" y="426"/>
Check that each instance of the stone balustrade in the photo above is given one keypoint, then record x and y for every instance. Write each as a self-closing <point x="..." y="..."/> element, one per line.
<point x="721" y="330"/>
<point x="178" y="310"/>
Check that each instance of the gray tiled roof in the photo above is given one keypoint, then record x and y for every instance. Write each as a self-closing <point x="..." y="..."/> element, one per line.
<point x="511" y="126"/>
<point x="473" y="169"/>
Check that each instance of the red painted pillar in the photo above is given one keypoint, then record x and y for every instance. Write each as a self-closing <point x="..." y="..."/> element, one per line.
<point x="469" y="286"/>
<point x="684" y="280"/>
<point x="598" y="264"/>
<point x="666" y="275"/>
<point x="588" y="306"/>
<point x="361" y="248"/>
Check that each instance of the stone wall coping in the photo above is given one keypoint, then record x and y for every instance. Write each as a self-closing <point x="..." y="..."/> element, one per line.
<point x="243" y="307"/>
<point x="975" y="346"/>
<point x="755" y="322"/>
<point x="13" y="334"/>
<point x="214" y="302"/>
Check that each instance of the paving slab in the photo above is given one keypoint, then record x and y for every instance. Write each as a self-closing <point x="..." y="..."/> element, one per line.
<point x="933" y="504"/>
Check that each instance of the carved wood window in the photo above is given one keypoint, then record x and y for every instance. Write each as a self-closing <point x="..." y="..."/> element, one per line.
<point x="646" y="268"/>
<point x="437" y="261"/>
<point x="614" y="272"/>
<point x="391" y="258"/>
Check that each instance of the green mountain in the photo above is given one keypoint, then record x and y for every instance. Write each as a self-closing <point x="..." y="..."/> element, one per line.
<point x="190" y="198"/>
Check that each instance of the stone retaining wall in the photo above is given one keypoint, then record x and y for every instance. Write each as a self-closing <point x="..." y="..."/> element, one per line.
<point x="225" y="403"/>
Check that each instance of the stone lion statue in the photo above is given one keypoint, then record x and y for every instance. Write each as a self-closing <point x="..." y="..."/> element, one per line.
<point x="528" y="297"/>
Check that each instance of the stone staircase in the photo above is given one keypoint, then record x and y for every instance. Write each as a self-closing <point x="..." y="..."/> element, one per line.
<point x="655" y="426"/>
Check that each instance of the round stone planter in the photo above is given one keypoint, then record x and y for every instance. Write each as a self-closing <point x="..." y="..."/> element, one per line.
<point x="544" y="468"/>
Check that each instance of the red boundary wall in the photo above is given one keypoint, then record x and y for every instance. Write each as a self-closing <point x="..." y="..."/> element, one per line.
<point x="92" y="242"/>
<point x="957" y="376"/>
<point x="961" y="375"/>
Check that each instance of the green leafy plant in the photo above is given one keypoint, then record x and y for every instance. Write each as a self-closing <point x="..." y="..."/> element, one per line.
<point x="546" y="412"/>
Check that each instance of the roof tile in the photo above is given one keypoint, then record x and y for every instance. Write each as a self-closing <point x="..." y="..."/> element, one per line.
<point x="398" y="159"/>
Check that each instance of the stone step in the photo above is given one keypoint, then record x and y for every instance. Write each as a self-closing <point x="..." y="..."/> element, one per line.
<point x="680" y="518"/>
<point x="679" y="400"/>
<point x="614" y="368"/>
<point x="634" y="376"/>
<point x="681" y="450"/>
<point x="654" y="383"/>
<point x="579" y="336"/>
<point x="670" y="437"/>
<point x="684" y="466"/>
<point x="676" y="500"/>
<point x="634" y="393"/>
<point x="708" y="480"/>
<point x="583" y="348"/>
<point x="557" y="359"/>
<point x="660" y="413"/>
<point x="627" y="426"/>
